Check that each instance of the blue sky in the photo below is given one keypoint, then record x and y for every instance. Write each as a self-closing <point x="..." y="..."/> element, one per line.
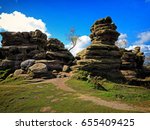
<point x="132" y="17"/>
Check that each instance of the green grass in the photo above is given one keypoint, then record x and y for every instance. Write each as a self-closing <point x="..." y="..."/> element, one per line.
<point x="129" y="94"/>
<point x="4" y="73"/>
<point x="16" y="95"/>
<point x="13" y="81"/>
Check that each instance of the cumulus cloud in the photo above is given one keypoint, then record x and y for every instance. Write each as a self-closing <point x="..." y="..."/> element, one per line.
<point x="143" y="37"/>
<point x="122" y="40"/>
<point x="144" y="48"/>
<point x="82" y="43"/>
<point x="18" y="21"/>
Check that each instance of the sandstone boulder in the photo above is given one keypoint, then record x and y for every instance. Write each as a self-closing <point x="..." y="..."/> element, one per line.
<point x="20" y="73"/>
<point x="39" y="70"/>
<point x="27" y="63"/>
<point x="52" y="64"/>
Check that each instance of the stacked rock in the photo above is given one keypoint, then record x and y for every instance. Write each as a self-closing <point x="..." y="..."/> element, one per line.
<point x="23" y="38"/>
<point x="57" y="51"/>
<point x="132" y="63"/>
<point x="18" y="47"/>
<point x="139" y="57"/>
<point x="102" y="57"/>
<point x="56" y="56"/>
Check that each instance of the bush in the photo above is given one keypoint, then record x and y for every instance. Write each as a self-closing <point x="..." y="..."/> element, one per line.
<point x="81" y="75"/>
<point x="4" y="73"/>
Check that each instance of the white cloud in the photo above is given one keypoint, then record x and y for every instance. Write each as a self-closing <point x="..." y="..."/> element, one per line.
<point x="122" y="36"/>
<point x="122" y="40"/>
<point x="143" y="38"/>
<point x="18" y="21"/>
<point x="144" y="48"/>
<point x="82" y="43"/>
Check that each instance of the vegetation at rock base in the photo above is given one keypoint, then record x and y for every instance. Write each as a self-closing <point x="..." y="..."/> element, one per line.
<point x="134" y="95"/>
<point x="81" y="75"/>
<point x="4" y="73"/>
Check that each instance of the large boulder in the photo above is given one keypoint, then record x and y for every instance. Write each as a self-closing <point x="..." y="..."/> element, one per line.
<point x="52" y="64"/>
<point x="27" y="63"/>
<point x="38" y="70"/>
<point x="21" y="73"/>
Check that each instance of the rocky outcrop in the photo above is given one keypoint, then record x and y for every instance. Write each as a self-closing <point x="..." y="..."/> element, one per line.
<point x="132" y="67"/>
<point x="132" y="63"/>
<point x="23" y="38"/>
<point x="31" y="54"/>
<point x="24" y="49"/>
<point x="102" y="57"/>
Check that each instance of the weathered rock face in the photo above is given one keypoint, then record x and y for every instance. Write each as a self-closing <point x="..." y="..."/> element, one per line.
<point x="102" y="57"/>
<point x="25" y="38"/>
<point x="56" y="51"/>
<point x="19" y="49"/>
<point x="132" y="63"/>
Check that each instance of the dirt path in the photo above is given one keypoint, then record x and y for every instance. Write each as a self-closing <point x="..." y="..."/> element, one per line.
<point x="60" y="84"/>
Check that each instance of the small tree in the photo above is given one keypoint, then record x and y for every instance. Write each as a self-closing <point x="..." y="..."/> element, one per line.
<point x="72" y="37"/>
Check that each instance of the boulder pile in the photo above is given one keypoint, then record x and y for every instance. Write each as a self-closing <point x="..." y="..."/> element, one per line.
<point x="102" y="57"/>
<point x="31" y="50"/>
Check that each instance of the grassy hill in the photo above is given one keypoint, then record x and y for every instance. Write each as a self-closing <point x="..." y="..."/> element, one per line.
<point x="18" y="95"/>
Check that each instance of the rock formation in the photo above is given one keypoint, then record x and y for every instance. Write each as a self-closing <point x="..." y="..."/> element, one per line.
<point x="132" y="63"/>
<point x="18" y="47"/>
<point x="102" y="57"/>
<point x="31" y="54"/>
<point x="132" y="67"/>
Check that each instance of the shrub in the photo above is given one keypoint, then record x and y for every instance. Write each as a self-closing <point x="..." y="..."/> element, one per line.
<point x="81" y="75"/>
<point x="4" y="73"/>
